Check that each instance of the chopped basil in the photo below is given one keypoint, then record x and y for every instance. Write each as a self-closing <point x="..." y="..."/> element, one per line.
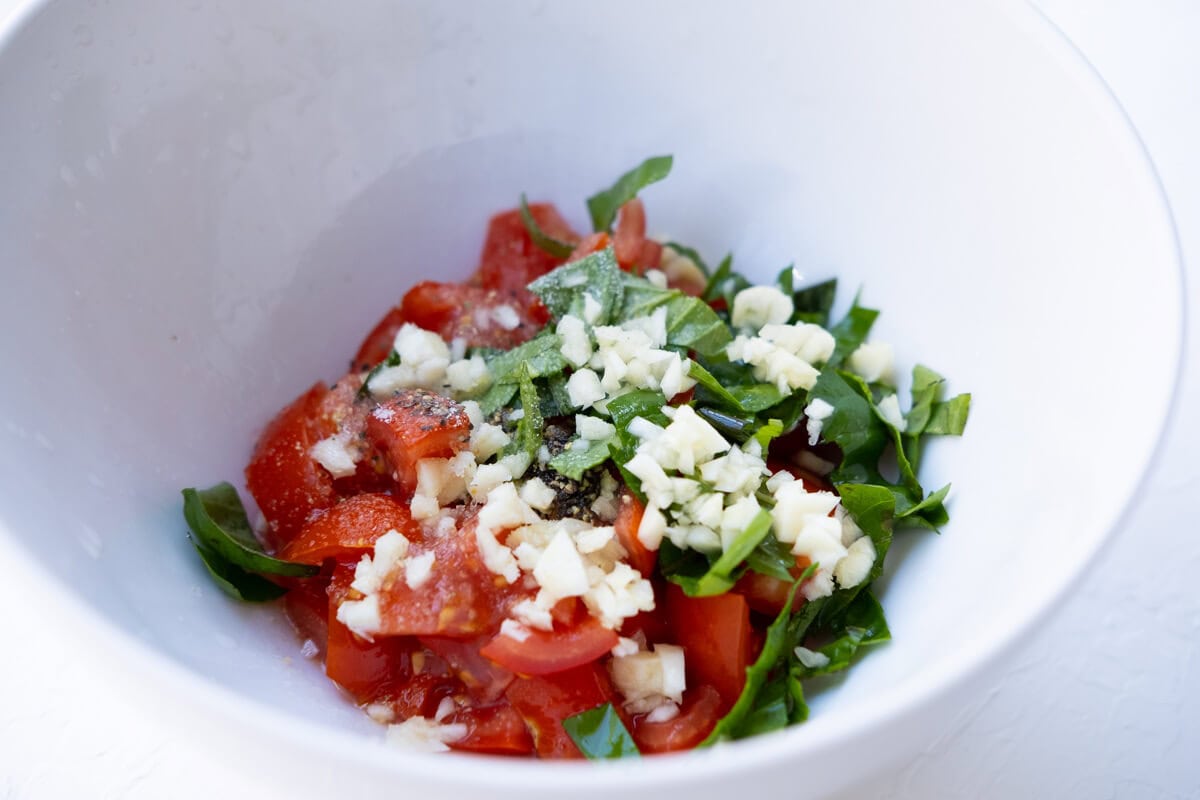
<point x="813" y="303"/>
<point x="562" y="290"/>
<point x="949" y="418"/>
<point x="873" y="509"/>
<point x="497" y="397"/>
<point x="860" y="624"/>
<point x="853" y="426"/>
<point x="603" y="206"/>
<point x="222" y="536"/>
<point x="600" y="733"/>
<point x="573" y="462"/>
<point x="851" y="332"/>
<point x="724" y="284"/>
<point x="235" y="581"/>
<point x="721" y="576"/>
<point x="772" y="557"/>
<point x="555" y="247"/>
<point x="529" y="428"/>
<point x="541" y="355"/>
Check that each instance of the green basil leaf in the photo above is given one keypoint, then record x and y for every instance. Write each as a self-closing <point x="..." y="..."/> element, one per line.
<point x="562" y="290"/>
<point x="713" y="387"/>
<point x="768" y="433"/>
<point x="851" y="332"/>
<point x="573" y="462"/>
<point x="541" y="355"/>
<point x="720" y="577"/>
<point x="770" y="712"/>
<point x="724" y="284"/>
<point x="813" y="303"/>
<point x="498" y="396"/>
<point x="235" y="581"/>
<point x="927" y="388"/>
<point x="603" y="206"/>
<point x="529" y="428"/>
<point x="873" y="509"/>
<point x="798" y="711"/>
<point x="599" y="733"/>
<point x="543" y="240"/>
<point x="218" y="522"/>
<point x="908" y="474"/>
<point x="949" y="418"/>
<point x="773" y="557"/>
<point x="691" y="322"/>
<point x="929" y="513"/>
<point x="860" y="624"/>
<point x="854" y="427"/>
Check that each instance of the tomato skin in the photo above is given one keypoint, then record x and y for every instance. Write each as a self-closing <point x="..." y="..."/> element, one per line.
<point x="284" y="480"/>
<point x="349" y="529"/>
<point x="715" y="634"/>
<point x="548" y="652"/>
<point x="378" y="343"/>
<point x="767" y="594"/>
<point x="461" y="598"/>
<point x="510" y="259"/>
<point x="364" y="669"/>
<point x="547" y="700"/>
<point x="497" y="729"/>
<point x="629" y="518"/>
<point x="455" y="310"/>
<point x="307" y="606"/>
<point x="592" y="243"/>
<point x="698" y="715"/>
<point x="417" y="424"/>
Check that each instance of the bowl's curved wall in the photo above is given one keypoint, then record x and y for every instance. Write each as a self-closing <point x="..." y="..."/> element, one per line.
<point x="204" y="205"/>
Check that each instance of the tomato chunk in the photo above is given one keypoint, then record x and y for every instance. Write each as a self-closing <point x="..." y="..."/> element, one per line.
<point x="461" y="598"/>
<point x="472" y="313"/>
<point x="365" y="669"/>
<point x="715" y="634"/>
<point x="484" y="679"/>
<point x="629" y="234"/>
<point x="547" y="700"/>
<point x="697" y="717"/>
<point x="592" y="243"/>
<point x="629" y="518"/>
<point x="498" y="729"/>
<point x="349" y="529"/>
<point x="510" y="259"/>
<point x="286" y="483"/>
<point x="307" y="605"/>
<point x="547" y="652"/>
<point x="378" y="343"/>
<point x="417" y="424"/>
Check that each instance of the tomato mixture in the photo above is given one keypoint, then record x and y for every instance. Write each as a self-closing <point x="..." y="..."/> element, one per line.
<point x="596" y="500"/>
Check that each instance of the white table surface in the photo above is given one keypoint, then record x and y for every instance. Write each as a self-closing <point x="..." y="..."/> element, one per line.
<point x="1103" y="702"/>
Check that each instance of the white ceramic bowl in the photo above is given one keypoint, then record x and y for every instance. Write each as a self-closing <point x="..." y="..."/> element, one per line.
<point x="204" y="205"/>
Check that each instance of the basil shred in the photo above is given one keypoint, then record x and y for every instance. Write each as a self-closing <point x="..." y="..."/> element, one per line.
<point x="533" y="375"/>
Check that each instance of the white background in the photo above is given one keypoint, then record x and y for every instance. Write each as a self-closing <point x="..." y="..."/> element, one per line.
<point x="1103" y="702"/>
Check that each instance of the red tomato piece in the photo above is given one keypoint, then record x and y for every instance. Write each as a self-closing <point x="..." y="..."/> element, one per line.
<point x="417" y="424"/>
<point x="378" y="343"/>
<point x="307" y="606"/>
<point x="349" y="529"/>
<point x="497" y="729"/>
<point x="510" y="259"/>
<point x="715" y="634"/>
<point x="421" y="695"/>
<point x="461" y="598"/>
<point x="630" y="233"/>
<point x="548" y="652"/>
<point x="455" y="310"/>
<point x="365" y="669"/>
<point x="484" y="679"/>
<point x="766" y="594"/>
<point x="286" y="483"/>
<point x="629" y="518"/>
<point x="546" y="701"/>
<point x="592" y="243"/>
<point x="698" y="715"/>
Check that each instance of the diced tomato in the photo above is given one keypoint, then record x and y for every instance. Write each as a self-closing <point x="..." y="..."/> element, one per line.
<point x="497" y="729"/>
<point x="786" y="449"/>
<point x="461" y="598"/>
<point x="378" y="344"/>
<point x="421" y="694"/>
<point x="455" y="310"/>
<point x="350" y="529"/>
<point x="592" y="243"/>
<point x="812" y="481"/>
<point x="547" y="652"/>
<point x="307" y="605"/>
<point x="567" y="612"/>
<point x="417" y="424"/>
<point x="630" y="233"/>
<point x="286" y="483"/>
<point x="510" y="259"/>
<point x="766" y="594"/>
<point x="629" y="518"/>
<point x="697" y="717"/>
<point x="546" y="701"/>
<point x="484" y="679"/>
<point x="365" y="669"/>
<point x="715" y="634"/>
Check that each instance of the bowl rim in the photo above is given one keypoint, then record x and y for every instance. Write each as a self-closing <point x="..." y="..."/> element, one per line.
<point x="220" y="701"/>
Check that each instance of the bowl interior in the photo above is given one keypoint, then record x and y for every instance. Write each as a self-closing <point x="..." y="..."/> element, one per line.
<point x="203" y="209"/>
